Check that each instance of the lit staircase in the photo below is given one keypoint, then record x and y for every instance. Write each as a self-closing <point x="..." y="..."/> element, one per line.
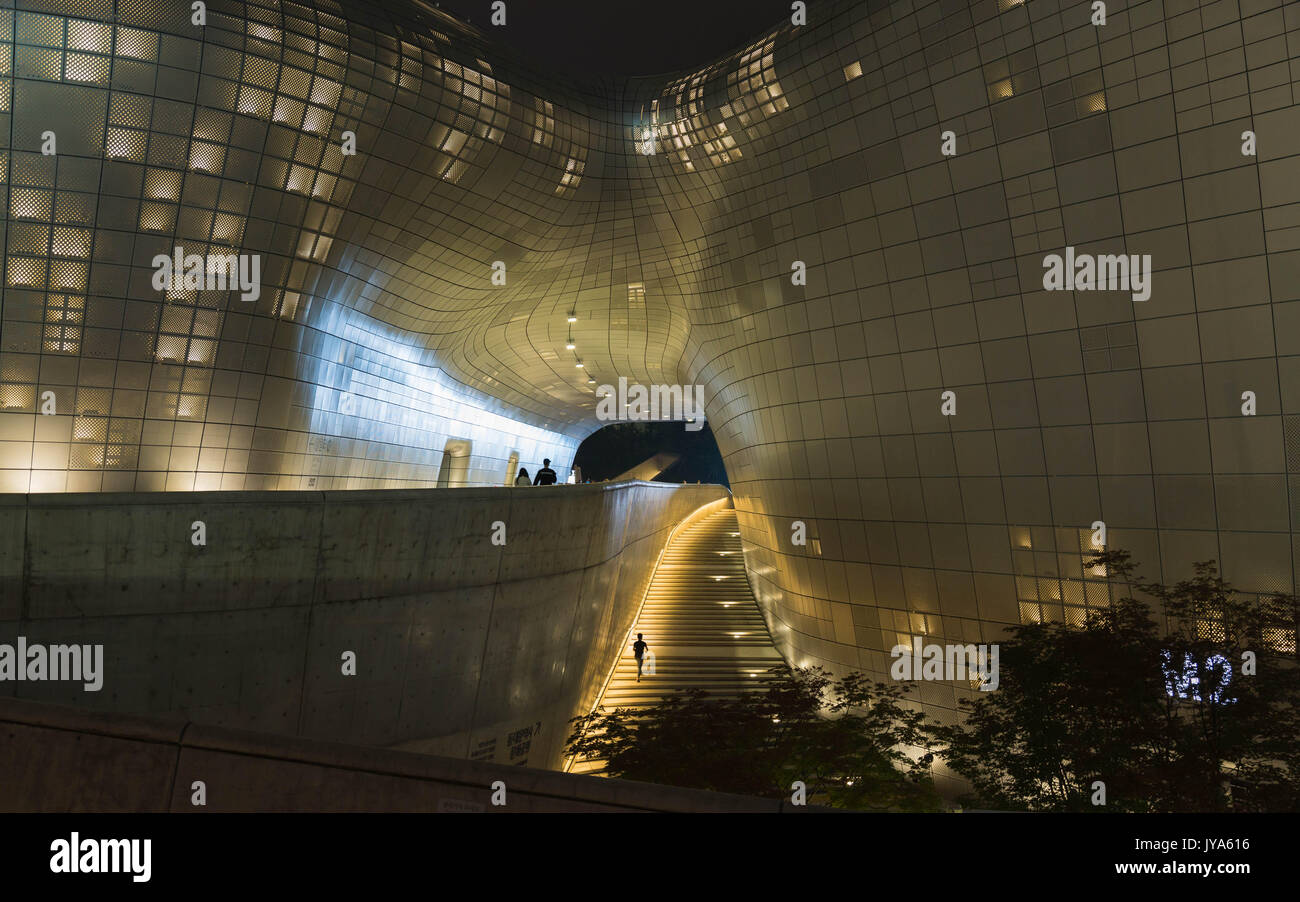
<point x="702" y="624"/>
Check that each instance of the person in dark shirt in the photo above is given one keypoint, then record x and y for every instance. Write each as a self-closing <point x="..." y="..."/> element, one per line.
<point x="545" y="476"/>
<point x="638" y="649"/>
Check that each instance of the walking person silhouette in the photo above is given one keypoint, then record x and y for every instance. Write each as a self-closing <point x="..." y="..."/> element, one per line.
<point x="638" y="649"/>
<point x="545" y="476"/>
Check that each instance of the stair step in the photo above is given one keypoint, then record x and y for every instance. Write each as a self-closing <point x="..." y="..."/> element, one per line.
<point x="704" y="632"/>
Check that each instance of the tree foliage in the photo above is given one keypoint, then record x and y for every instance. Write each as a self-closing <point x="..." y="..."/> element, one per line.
<point x="1167" y="719"/>
<point x="844" y="738"/>
<point x="1176" y="697"/>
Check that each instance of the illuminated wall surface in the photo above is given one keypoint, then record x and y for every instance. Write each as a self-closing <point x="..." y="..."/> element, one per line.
<point x="667" y="214"/>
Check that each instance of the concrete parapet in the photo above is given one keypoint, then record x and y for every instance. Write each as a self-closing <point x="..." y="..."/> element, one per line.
<point x="463" y="647"/>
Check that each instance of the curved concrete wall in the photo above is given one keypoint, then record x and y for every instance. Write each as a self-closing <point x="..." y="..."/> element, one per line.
<point x="463" y="647"/>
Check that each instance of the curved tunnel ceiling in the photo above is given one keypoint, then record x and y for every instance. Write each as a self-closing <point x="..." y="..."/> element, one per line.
<point x="558" y="182"/>
<point x="464" y="164"/>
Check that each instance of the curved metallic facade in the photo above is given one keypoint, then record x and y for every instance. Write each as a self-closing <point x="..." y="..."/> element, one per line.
<point x="666" y="215"/>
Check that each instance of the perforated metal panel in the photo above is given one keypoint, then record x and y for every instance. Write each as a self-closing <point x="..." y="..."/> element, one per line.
<point x="667" y="213"/>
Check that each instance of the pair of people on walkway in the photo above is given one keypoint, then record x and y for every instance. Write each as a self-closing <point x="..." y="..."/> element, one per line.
<point x="545" y="476"/>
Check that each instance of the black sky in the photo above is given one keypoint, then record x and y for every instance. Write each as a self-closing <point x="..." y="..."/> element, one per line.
<point x="623" y="37"/>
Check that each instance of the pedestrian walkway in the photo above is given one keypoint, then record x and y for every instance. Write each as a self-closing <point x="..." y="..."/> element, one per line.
<point x="701" y="622"/>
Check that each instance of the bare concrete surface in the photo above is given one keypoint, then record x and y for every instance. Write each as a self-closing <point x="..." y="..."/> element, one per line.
<point x="463" y="647"/>
<point x="70" y="760"/>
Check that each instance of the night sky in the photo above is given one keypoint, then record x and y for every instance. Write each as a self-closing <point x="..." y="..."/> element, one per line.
<point x="623" y="37"/>
<point x="621" y="446"/>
